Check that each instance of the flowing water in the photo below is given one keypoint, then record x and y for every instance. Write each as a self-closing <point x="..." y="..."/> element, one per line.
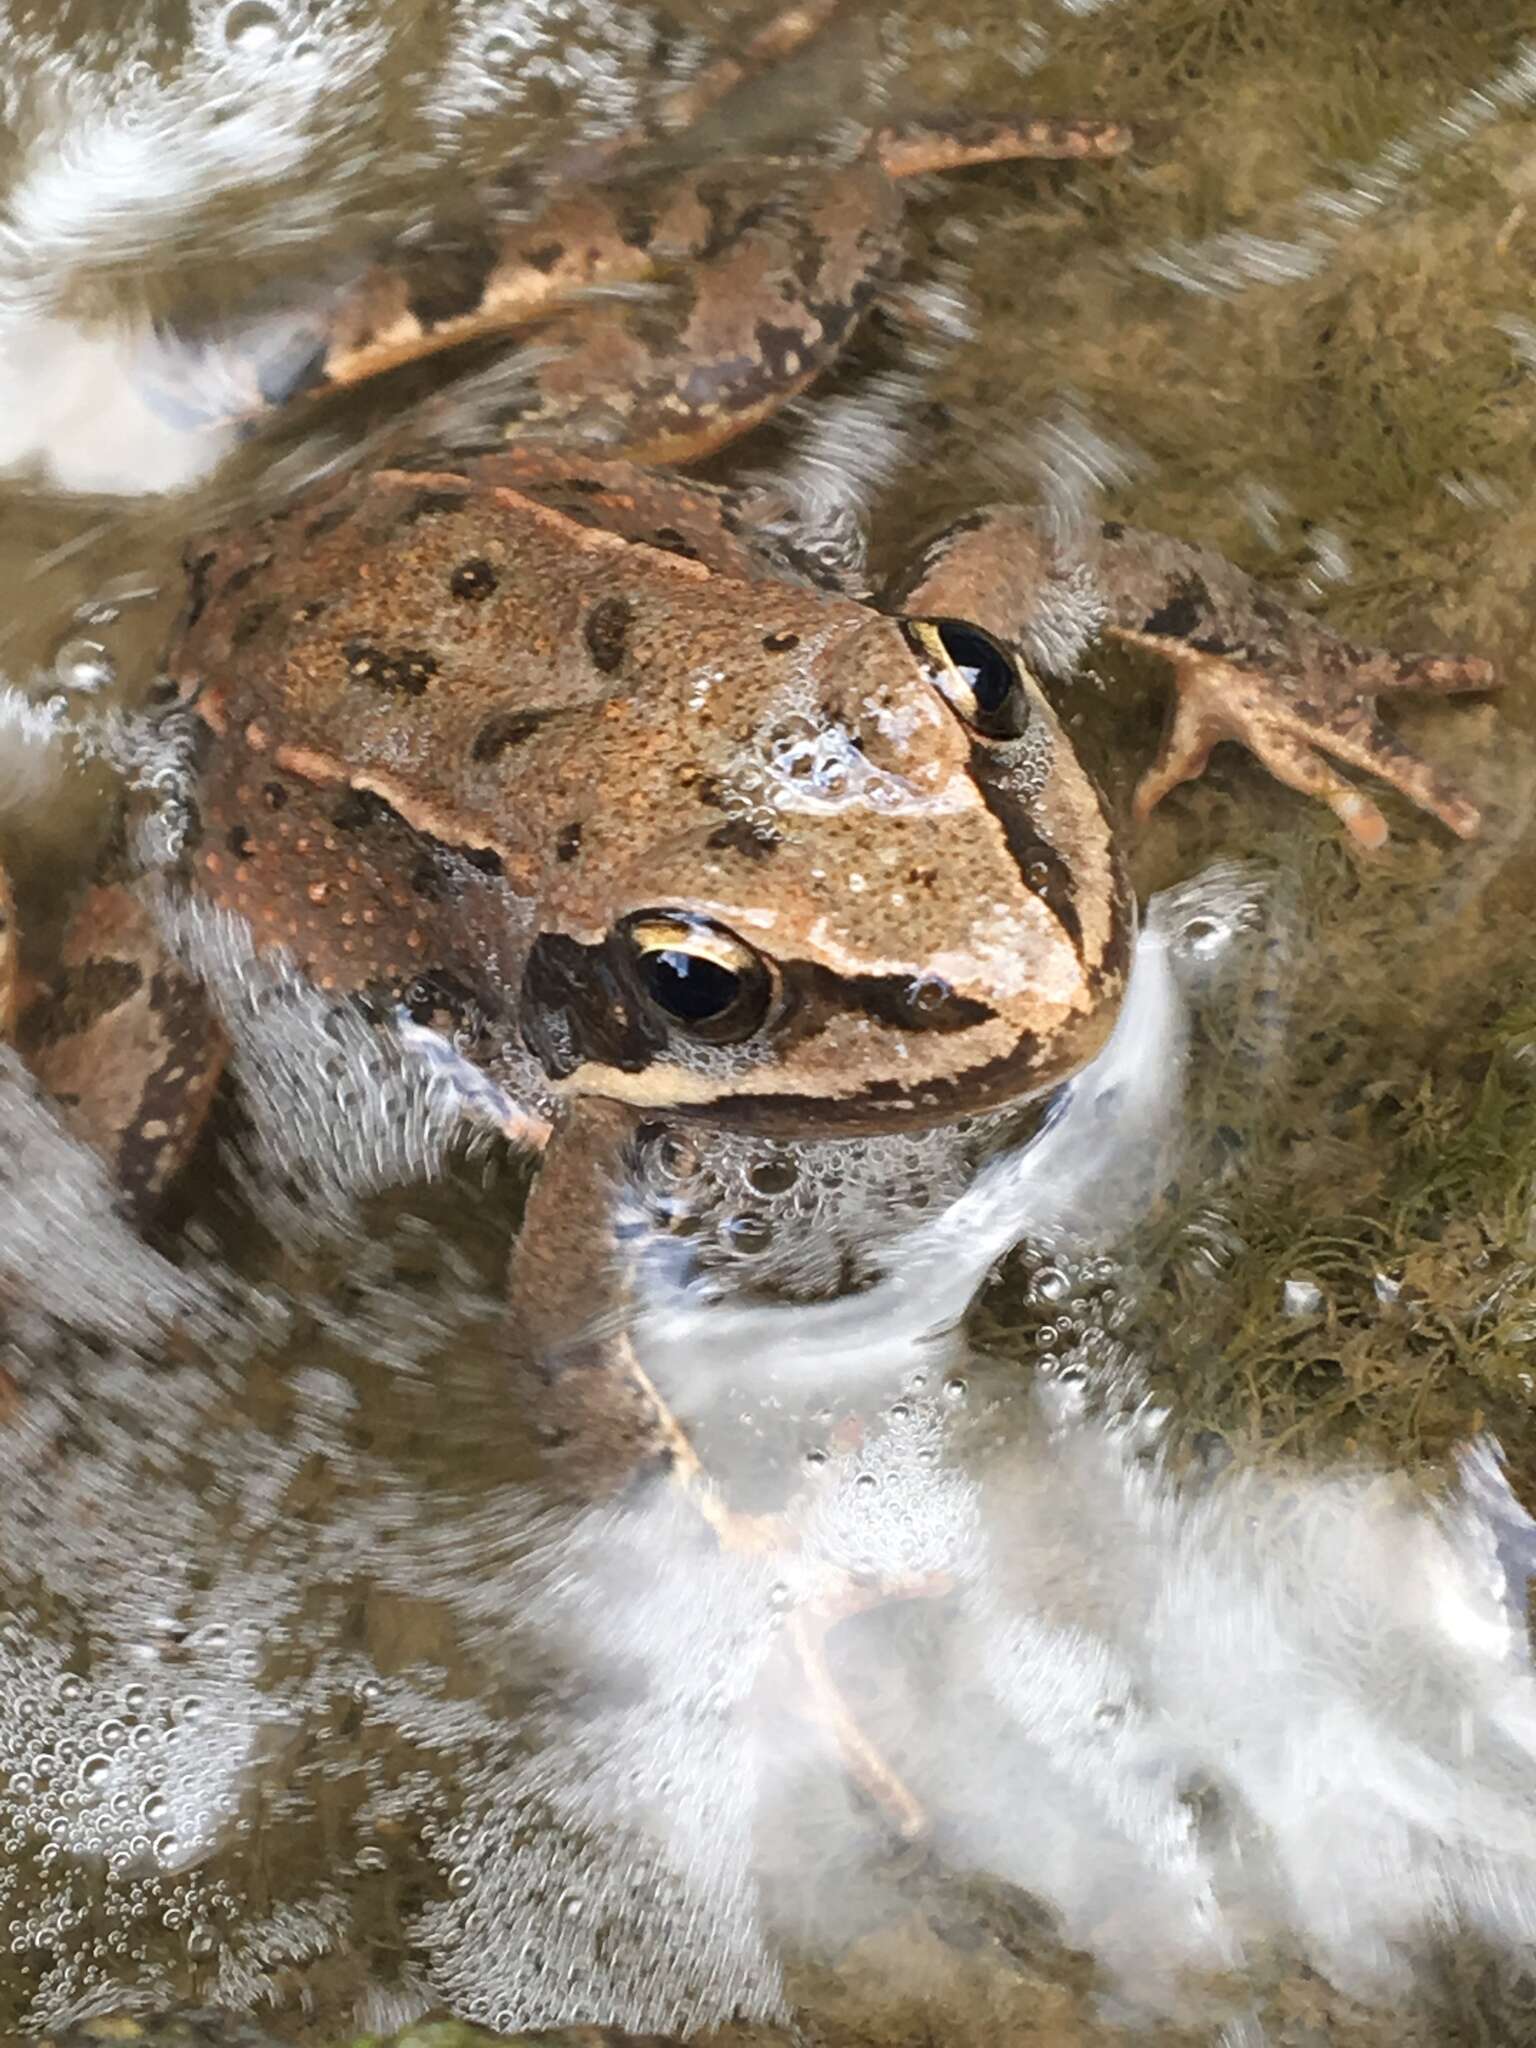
<point x="1198" y="1423"/>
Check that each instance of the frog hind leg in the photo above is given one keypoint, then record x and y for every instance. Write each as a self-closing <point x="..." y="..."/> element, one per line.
<point x="912" y="149"/>
<point x="1245" y="666"/>
<point x="124" y="1042"/>
<point x="605" y="1425"/>
<point x="760" y="288"/>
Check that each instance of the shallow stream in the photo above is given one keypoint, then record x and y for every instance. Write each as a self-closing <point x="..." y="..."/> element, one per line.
<point x="1205" y="1416"/>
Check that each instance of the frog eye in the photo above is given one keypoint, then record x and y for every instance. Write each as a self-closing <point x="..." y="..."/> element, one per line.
<point x="976" y="673"/>
<point x="699" y="976"/>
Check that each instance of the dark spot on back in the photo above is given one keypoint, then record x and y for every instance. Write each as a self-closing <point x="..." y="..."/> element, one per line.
<point x="276" y="794"/>
<point x="473" y="579"/>
<point x="307" y="613"/>
<point x="545" y="256"/>
<point x="605" y="630"/>
<point x="238" y="841"/>
<point x="1112" y="529"/>
<point x="408" y="670"/>
<point x="506" y="729"/>
<point x="486" y="859"/>
<point x="568" y="842"/>
<point x="780" y="643"/>
<point x="586" y="486"/>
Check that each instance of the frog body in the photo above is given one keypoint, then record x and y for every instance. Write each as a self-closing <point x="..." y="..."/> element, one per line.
<point x="591" y="769"/>
<point x="536" y="735"/>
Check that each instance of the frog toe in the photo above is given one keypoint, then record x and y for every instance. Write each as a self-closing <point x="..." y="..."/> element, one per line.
<point x="1297" y="738"/>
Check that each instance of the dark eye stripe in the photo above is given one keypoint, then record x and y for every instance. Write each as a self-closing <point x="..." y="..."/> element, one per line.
<point x="1044" y="871"/>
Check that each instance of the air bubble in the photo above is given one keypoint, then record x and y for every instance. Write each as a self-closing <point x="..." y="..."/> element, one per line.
<point x="955" y="1388"/>
<point x="747" y="1233"/>
<point x="111" y="1734"/>
<point x="866" y="1482"/>
<point x="252" y="25"/>
<point x="95" y="1769"/>
<point x="461" y="1879"/>
<point x="772" y="1176"/>
<point x="371" y="1857"/>
<point x="1204" y="937"/>
<point x="928" y="993"/>
<point x="1051" y="1284"/>
<point x="202" y="1941"/>
<point x="84" y="665"/>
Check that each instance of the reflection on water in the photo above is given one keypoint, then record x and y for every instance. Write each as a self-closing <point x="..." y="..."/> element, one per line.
<point x="1177" y="1419"/>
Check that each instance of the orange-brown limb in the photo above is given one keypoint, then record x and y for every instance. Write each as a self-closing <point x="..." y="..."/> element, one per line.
<point x="1218" y="698"/>
<point x="915" y="147"/>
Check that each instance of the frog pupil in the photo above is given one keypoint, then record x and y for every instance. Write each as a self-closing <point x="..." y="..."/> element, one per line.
<point x="687" y="986"/>
<point x="986" y="668"/>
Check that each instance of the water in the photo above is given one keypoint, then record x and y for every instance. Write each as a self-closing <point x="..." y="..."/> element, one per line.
<point x="1214" y="1674"/>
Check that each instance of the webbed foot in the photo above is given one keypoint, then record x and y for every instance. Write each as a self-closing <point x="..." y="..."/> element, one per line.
<point x="1249" y="668"/>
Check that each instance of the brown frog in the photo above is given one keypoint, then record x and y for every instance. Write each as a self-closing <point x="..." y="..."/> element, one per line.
<point x="592" y="769"/>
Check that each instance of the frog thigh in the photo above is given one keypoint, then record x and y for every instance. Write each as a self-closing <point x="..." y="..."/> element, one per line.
<point x="125" y="1043"/>
<point x="734" y="333"/>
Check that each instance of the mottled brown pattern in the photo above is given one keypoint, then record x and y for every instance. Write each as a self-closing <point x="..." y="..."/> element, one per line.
<point x="125" y="1044"/>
